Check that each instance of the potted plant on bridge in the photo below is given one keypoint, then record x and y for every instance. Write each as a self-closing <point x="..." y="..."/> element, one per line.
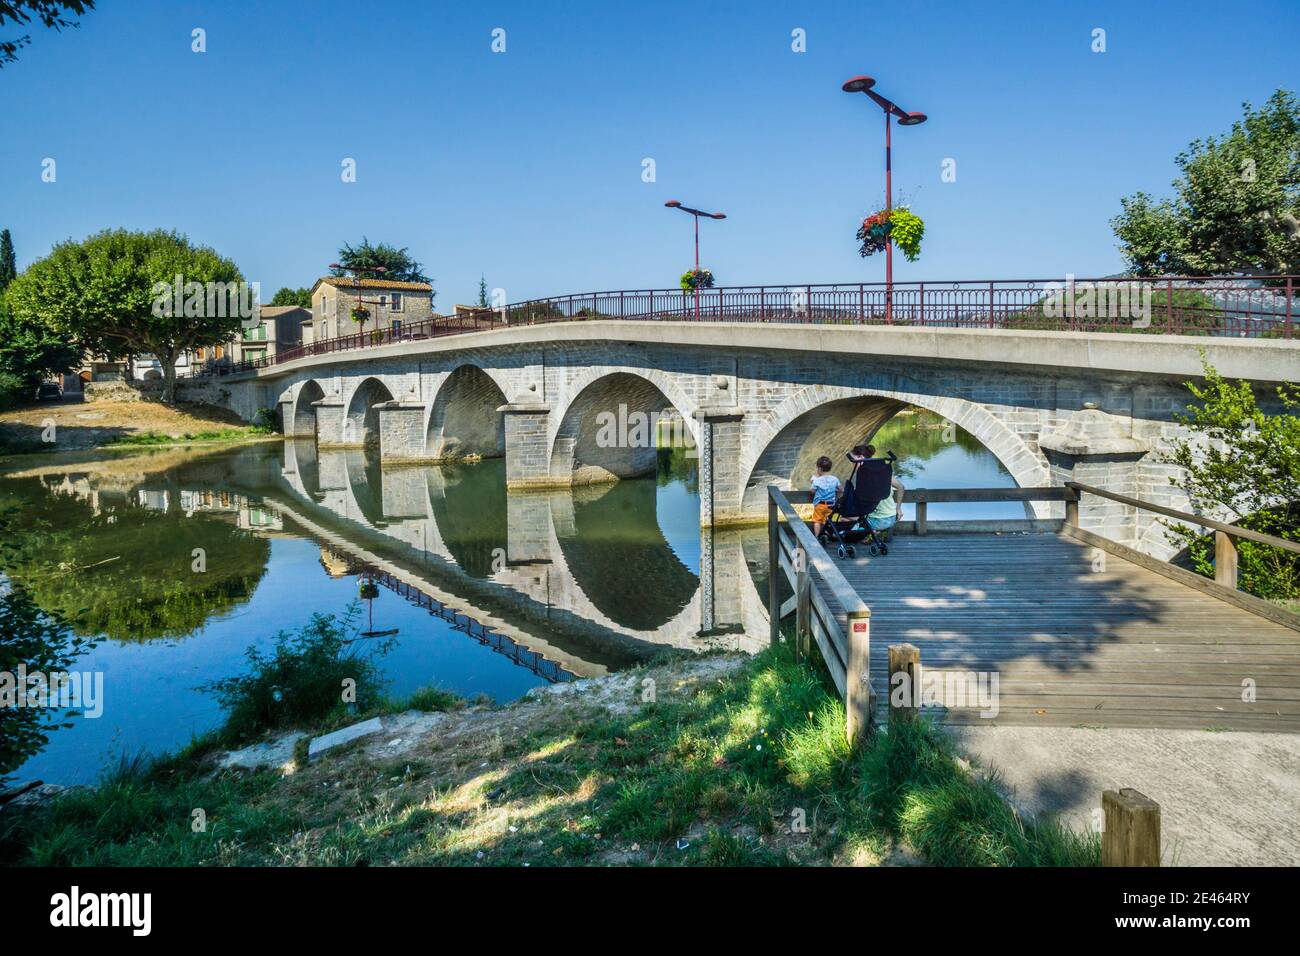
<point x="695" y="279"/>
<point x="360" y="314"/>
<point x="901" y="225"/>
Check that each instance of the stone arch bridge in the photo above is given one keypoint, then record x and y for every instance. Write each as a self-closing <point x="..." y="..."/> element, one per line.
<point x="761" y="401"/>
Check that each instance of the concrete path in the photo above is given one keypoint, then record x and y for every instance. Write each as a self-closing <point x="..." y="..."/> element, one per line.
<point x="1226" y="799"/>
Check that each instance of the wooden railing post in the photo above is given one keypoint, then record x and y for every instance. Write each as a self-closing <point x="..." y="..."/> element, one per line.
<point x="773" y="571"/>
<point x="857" y="677"/>
<point x="1072" y="507"/>
<point x="904" y="667"/>
<point x="1225" y="559"/>
<point x="1132" y="829"/>
<point x="803" y="607"/>
<point x="921" y="508"/>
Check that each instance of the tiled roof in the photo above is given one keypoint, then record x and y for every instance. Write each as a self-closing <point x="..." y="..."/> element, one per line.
<point x="347" y="282"/>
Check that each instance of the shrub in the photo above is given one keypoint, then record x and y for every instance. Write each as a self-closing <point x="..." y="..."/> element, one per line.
<point x="301" y="681"/>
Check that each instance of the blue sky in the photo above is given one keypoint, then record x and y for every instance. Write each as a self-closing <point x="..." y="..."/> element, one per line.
<point x="526" y="166"/>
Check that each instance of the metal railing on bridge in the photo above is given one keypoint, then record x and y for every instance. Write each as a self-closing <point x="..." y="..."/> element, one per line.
<point x="1239" y="306"/>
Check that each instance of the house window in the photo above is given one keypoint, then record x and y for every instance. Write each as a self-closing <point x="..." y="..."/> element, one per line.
<point x="397" y="327"/>
<point x="397" y="302"/>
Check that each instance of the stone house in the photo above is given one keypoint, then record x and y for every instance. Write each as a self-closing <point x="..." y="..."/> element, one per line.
<point x="390" y="304"/>
<point x="280" y="328"/>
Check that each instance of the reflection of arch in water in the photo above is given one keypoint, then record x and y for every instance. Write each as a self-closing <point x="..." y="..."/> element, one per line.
<point x="302" y="466"/>
<point x="829" y="420"/>
<point x="618" y="556"/>
<point x="366" y="480"/>
<point x="303" y="422"/>
<point x="465" y="421"/>
<point x="469" y="507"/>
<point x="615" y="405"/>
<point x="361" y="426"/>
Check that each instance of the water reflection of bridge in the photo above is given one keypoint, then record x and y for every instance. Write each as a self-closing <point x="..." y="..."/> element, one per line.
<point x="586" y="579"/>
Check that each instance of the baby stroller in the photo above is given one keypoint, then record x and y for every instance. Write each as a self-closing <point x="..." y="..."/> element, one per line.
<point x="871" y="482"/>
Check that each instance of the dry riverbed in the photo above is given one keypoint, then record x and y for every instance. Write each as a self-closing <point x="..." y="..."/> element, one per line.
<point x="77" y="426"/>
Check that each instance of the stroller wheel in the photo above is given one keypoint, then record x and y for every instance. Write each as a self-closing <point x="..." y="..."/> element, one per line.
<point x="841" y="551"/>
<point x="884" y="548"/>
<point x="874" y="550"/>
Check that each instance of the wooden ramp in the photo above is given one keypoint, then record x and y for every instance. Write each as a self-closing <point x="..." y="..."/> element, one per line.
<point x="1076" y="635"/>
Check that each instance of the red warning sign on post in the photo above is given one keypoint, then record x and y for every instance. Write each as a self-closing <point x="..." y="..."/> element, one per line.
<point x="859" y="627"/>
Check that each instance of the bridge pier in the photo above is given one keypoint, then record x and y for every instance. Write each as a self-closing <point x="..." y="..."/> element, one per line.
<point x="528" y="456"/>
<point x="401" y="431"/>
<point x="330" y="419"/>
<point x="721" y="436"/>
<point x="1096" y="448"/>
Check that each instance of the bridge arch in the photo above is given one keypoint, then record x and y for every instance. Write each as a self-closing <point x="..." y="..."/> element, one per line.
<point x="618" y="403"/>
<point x="303" y="422"/>
<point x="361" y="423"/>
<point x="818" y="417"/>
<point x="464" y="421"/>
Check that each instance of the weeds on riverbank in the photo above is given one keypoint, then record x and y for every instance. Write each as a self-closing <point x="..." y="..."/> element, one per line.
<point x="309" y="677"/>
<point x="213" y="435"/>
<point x="741" y="763"/>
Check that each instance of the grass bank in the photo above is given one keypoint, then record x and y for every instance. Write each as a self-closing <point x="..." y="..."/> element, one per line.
<point x="734" y="762"/>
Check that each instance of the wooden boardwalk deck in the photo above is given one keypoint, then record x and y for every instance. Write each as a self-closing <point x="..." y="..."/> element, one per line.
<point x="1073" y="643"/>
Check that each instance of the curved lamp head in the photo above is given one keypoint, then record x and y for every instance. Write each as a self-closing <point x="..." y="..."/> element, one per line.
<point x="673" y="204"/>
<point x="912" y="119"/>
<point x="858" y="84"/>
<point x="719" y="215"/>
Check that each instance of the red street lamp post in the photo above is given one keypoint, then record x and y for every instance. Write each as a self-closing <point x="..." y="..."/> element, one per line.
<point x="864" y="84"/>
<point x="696" y="213"/>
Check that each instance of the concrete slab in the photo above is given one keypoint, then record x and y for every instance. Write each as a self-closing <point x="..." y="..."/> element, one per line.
<point x="1226" y="799"/>
<point x="344" y="735"/>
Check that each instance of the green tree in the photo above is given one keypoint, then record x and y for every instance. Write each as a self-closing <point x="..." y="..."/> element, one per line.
<point x="115" y="293"/>
<point x="29" y="352"/>
<point x="1236" y="206"/>
<point x="52" y="13"/>
<point x="1244" y="462"/>
<point x="482" y="293"/>
<point x="397" y="263"/>
<point x="8" y="262"/>
<point x="287" y="296"/>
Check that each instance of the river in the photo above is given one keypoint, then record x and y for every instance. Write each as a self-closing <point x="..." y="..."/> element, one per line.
<point x="174" y="564"/>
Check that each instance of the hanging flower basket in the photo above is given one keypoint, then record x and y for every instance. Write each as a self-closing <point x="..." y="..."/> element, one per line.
<point x="694" y="279"/>
<point x="369" y="590"/>
<point x="900" y="225"/>
<point x="360" y="314"/>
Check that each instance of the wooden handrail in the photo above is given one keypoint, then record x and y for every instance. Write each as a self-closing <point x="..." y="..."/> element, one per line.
<point x="945" y="495"/>
<point x="1230" y="530"/>
<point x="848" y="598"/>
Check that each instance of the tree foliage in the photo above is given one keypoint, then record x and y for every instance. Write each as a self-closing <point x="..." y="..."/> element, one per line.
<point x="286" y="296"/>
<point x="126" y="572"/>
<point x="1243" y="463"/>
<point x="52" y="13"/>
<point x="8" y="262"/>
<point x="101" y="293"/>
<point x="397" y="263"/>
<point x="1236" y="205"/>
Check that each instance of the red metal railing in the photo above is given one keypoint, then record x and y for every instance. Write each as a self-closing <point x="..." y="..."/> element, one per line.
<point x="1245" y="306"/>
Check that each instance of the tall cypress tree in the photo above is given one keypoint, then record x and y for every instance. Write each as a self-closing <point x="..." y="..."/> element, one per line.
<point x="8" y="264"/>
